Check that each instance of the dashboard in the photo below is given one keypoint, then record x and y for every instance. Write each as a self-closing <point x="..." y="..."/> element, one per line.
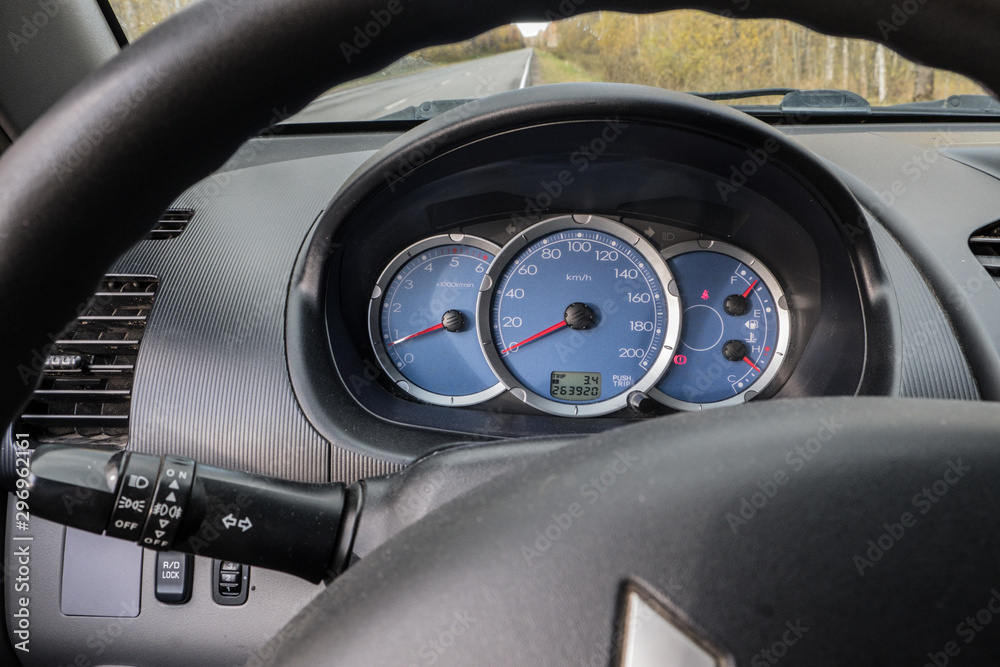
<point x="677" y="255"/>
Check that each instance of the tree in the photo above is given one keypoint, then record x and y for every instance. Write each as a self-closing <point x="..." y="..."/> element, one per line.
<point x="923" y="83"/>
<point x="880" y="73"/>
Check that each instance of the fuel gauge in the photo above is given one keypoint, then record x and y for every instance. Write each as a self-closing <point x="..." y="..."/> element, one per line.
<point x="734" y="327"/>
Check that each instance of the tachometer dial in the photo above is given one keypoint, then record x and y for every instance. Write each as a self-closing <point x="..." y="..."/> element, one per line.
<point x="576" y="313"/>
<point x="422" y="321"/>
<point x="735" y="327"/>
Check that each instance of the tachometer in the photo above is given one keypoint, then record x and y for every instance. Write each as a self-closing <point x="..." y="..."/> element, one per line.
<point x="576" y="313"/>
<point x="735" y="327"/>
<point x="422" y="321"/>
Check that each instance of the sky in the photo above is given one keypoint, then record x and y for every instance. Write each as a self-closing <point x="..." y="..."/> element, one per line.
<point x="531" y="29"/>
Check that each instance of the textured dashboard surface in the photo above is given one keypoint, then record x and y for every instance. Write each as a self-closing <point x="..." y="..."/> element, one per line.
<point x="932" y="364"/>
<point x="212" y="380"/>
<point x="932" y="209"/>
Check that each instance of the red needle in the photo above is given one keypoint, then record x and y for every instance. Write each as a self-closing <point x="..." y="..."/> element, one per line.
<point x="554" y="327"/>
<point x="747" y="359"/>
<point x="749" y="289"/>
<point x="419" y="333"/>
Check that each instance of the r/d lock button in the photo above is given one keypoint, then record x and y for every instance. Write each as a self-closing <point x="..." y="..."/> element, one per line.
<point x="174" y="576"/>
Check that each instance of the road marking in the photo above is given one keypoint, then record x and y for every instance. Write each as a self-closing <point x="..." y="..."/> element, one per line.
<point x="445" y="82"/>
<point x="527" y="69"/>
<point x="396" y="104"/>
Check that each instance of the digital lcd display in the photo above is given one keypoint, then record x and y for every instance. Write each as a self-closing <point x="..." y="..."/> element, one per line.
<point x="572" y="386"/>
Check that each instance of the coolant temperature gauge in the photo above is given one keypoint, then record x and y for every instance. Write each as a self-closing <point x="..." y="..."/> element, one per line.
<point x="734" y="328"/>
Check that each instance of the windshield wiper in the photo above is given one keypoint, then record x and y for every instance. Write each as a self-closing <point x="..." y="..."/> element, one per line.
<point x="820" y="102"/>
<point x="723" y="95"/>
<point x="424" y="110"/>
<point x="795" y="101"/>
<point x="955" y="104"/>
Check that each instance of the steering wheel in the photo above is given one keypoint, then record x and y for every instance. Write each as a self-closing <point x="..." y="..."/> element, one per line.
<point x="676" y="539"/>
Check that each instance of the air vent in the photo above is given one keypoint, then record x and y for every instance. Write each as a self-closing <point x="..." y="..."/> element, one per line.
<point x="86" y="386"/>
<point x="985" y="245"/>
<point x="171" y="224"/>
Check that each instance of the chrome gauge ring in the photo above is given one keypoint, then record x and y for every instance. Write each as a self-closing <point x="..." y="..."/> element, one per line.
<point x="576" y="314"/>
<point x="422" y="321"/>
<point x="735" y="328"/>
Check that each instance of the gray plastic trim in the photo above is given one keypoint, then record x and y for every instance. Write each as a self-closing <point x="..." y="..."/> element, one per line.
<point x="198" y="633"/>
<point x="100" y="577"/>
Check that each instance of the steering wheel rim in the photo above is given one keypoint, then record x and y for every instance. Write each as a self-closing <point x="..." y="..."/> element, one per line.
<point x="857" y="521"/>
<point x="87" y="157"/>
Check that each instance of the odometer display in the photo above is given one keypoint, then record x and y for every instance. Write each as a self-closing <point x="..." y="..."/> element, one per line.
<point x="584" y="296"/>
<point x="575" y="386"/>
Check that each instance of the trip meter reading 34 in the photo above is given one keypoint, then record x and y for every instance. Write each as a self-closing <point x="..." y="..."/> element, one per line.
<point x="577" y="313"/>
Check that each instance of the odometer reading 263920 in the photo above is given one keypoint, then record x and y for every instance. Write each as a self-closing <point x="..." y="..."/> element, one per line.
<point x="576" y="313"/>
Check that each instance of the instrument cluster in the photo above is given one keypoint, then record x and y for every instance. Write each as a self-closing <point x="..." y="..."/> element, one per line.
<point x="472" y="280"/>
<point x="579" y="316"/>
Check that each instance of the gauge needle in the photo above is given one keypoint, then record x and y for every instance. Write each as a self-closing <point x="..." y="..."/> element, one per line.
<point x="749" y="289"/>
<point x="747" y="359"/>
<point x="554" y="327"/>
<point x="414" y="335"/>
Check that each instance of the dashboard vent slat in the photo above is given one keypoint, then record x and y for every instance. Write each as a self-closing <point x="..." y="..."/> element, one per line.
<point x="77" y="421"/>
<point x="172" y="224"/>
<point x="93" y="370"/>
<point x="985" y="245"/>
<point x="990" y="262"/>
<point x="109" y="322"/>
<point x="83" y="395"/>
<point x="97" y="347"/>
<point x="85" y="391"/>
<point x="125" y="299"/>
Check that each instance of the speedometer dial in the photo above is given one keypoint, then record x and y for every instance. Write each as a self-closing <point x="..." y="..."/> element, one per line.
<point x="735" y="327"/>
<point x="576" y="314"/>
<point x="422" y="321"/>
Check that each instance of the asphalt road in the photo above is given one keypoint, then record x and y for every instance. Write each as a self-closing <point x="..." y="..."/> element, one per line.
<point x="466" y="80"/>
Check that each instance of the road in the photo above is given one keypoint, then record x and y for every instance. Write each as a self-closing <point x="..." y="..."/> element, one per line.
<point x="465" y="80"/>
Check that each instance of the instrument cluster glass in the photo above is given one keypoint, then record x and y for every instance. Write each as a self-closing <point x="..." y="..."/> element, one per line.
<point x="575" y="314"/>
<point x="579" y="316"/>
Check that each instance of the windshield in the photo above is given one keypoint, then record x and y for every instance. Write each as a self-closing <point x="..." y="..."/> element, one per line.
<point x="683" y="50"/>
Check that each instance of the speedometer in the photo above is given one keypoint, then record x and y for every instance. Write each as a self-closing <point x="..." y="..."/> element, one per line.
<point x="577" y="313"/>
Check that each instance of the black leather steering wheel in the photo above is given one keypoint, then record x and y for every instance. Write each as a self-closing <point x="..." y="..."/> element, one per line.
<point x="836" y="531"/>
<point x="471" y="583"/>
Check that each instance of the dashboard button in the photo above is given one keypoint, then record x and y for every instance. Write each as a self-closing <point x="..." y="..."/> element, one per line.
<point x="174" y="574"/>
<point x="230" y="582"/>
